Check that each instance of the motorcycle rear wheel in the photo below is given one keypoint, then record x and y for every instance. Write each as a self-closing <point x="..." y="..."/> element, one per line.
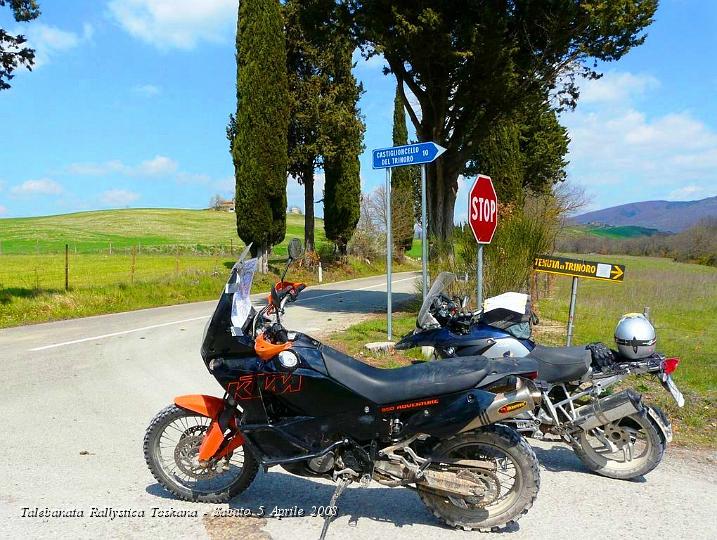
<point x="639" y="454"/>
<point x="516" y="464"/>
<point x="171" y="446"/>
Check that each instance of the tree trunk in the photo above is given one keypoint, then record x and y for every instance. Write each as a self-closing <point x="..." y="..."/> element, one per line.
<point x="442" y="187"/>
<point x="262" y="255"/>
<point x="309" y="206"/>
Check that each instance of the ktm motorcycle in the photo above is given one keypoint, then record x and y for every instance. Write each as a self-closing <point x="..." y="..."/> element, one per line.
<point x="292" y="401"/>
<point x="615" y="435"/>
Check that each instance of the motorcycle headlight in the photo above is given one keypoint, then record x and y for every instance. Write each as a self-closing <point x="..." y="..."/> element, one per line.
<point x="288" y="359"/>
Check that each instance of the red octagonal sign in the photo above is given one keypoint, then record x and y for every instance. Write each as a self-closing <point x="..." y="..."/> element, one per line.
<point x="483" y="209"/>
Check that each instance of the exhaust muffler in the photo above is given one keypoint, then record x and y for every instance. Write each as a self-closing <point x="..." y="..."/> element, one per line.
<point x="608" y="409"/>
<point x="524" y="397"/>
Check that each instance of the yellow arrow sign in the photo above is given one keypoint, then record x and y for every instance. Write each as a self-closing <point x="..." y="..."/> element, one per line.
<point x="616" y="272"/>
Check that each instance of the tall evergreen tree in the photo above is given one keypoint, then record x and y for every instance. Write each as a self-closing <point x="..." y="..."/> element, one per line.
<point x="311" y="31"/>
<point x="525" y="151"/>
<point x="470" y="63"/>
<point x="402" y="218"/>
<point x="258" y="133"/>
<point x="342" y="196"/>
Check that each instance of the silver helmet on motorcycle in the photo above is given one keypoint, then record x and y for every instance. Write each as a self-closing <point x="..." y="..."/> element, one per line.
<point x="635" y="336"/>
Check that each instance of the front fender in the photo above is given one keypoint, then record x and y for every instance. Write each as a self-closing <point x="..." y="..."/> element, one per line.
<point x="208" y="406"/>
<point x="213" y="442"/>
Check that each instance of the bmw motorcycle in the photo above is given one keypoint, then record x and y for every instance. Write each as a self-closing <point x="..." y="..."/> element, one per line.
<point x="291" y="401"/>
<point x="615" y="435"/>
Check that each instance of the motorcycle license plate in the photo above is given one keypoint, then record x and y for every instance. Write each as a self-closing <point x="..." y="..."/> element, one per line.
<point x="670" y="385"/>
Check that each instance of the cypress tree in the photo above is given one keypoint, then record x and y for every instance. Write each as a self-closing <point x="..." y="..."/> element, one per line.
<point x="401" y="184"/>
<point x="342" y="194"/>
<point x="342" y="199"/>
<point x="258" y="133"/>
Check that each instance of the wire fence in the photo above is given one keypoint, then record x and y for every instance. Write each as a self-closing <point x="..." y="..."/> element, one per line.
<point x="71" y="269"/>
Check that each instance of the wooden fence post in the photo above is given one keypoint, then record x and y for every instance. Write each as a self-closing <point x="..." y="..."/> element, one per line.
<point x="131" y="272"/>
<point x="67" y="267"/>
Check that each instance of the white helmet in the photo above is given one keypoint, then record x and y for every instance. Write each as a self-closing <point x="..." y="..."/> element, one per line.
<point x="635" y="336"/>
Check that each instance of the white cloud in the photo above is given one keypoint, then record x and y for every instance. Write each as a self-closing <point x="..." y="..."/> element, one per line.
<point x="180" y="24"/>
<point x="3" y="210"/>
<point x="692" y="192"/>
<point x="192" y="178"/>
<point x="157" y="166"/>
<point x="147" y="90"/>
<point x="49" y="40"/>
<point x="42" y="186"/>
<point x="621" y="153"/>
<point x="616" y="87"/>
<point x="118" y="197"/>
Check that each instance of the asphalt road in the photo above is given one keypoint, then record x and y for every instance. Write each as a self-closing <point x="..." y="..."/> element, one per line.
<point x="76" y="397"/>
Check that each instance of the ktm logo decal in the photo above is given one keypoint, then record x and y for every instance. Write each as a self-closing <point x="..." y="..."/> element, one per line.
<point x="413" y="405"/>
<point x="510" y="407"/>
<point x="275" y="383"/>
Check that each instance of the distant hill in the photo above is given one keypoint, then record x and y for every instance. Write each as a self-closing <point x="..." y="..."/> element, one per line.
<point x="606" y="231"/>
<point x="145" y="227"/>
<point x="665" y="216"/>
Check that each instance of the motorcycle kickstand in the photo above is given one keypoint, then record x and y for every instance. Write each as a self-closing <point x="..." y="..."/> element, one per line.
<point x="340" y="486"/>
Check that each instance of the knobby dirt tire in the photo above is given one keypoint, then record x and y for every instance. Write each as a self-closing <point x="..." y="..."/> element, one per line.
<point x="151" y="442"/>
<point x="611" y="469"/>
<point x="510" y="442"/>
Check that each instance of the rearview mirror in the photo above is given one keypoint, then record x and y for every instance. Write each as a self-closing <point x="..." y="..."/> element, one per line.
<point x="296" y="249"/>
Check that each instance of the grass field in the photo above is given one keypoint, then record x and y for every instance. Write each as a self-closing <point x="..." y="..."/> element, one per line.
<point x="179" y="256"/>
<point x="148" y="229"/>
<point x="683" y="304"/>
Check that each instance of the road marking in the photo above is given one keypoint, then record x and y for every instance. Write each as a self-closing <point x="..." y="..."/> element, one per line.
<point x="353" y="290"/>
<point x="114" y="334"/>
<point x="133" y="330"/>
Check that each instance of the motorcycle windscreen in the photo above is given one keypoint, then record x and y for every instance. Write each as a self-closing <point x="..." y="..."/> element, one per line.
<point x="241" y="300"/>
<point x="425" y="320"/>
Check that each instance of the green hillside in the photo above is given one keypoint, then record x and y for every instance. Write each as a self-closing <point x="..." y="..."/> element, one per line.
<point x="91" y="232"/>
<point x="606" y="231"/>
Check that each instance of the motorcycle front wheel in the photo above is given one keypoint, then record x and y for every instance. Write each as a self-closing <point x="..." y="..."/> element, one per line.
<point x="625" y="449"/>
<point x="509" y="492"/>
<point x="171" y="450"/>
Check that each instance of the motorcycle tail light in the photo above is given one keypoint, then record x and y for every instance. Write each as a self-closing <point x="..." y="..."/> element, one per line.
<point x="669" y="365"/>
<point x="532" y="375"/>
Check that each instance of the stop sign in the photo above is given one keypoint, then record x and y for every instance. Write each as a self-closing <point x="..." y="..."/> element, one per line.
<point x="483" y="209"/>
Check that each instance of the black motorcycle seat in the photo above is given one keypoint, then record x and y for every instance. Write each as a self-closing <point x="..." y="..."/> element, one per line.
<point x="426" y="379"/>
<point x="561" y="364"/>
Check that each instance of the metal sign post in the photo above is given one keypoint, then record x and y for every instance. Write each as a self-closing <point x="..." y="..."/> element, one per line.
<point x="401" y="156"/>
<point x="479" y="277"/>
<point x="389" y="255"/>
<point x="483" y="220"/>
<point x="424" y="227"/>
<point x="578" y="268"/>
<point x="571" y="312"/>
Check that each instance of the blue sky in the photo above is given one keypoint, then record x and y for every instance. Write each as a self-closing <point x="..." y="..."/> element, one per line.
<point x="128" y="104"/>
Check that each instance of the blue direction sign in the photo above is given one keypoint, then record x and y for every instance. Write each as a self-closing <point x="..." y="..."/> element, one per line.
<point x="410" y="154"/>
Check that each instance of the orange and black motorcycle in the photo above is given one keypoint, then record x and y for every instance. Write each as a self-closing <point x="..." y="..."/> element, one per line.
<point x="291" y="401"/>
